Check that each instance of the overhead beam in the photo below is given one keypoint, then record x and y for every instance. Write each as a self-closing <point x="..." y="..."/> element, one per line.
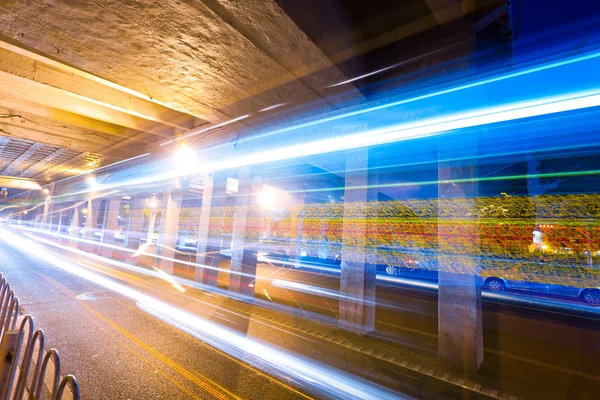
<point x="20" y="106"/>
<point x="18" y="183"/>
<point x="62" y="99"/>
<point x="37" y="68"/>
<point x="73" y="140"/>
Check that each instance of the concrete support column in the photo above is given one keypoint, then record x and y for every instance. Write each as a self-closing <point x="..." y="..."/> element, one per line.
<point x="357" y="280"/>
<point x="51" y="218"/>
<point x="210" y="227"/>
<point x="151" y="226"/>
<point x="75" y="227"/>
<point x="45" y="212"/>
<point x="170" y="223"/>
<point x="134" y="231"/>
<point x="61" y="221"/>
<point x="46" y="217"/>
<point x="246" y="227"/>
<point x="110" y="226"/>
<point x="460" y="338"/>
<point x="91" y="222"/>
<point x="296" y="231"/>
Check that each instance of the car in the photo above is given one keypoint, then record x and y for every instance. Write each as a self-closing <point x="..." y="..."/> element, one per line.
<point x="274" y="257"/>
<point x="187" y="242"/>
<point x="119" y="235"/>
<point x="590" y="295"/>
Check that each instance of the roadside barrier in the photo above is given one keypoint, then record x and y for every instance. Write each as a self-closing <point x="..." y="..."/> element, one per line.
<point x="26" y="372"/>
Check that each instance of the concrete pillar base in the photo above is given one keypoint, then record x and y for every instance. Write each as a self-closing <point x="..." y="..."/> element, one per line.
<point x="245" y="232"/>
<point x="168" y="239"/>
<point x="357" y="279"/>
<point x="357" y="314"/>
<point x="243" y="281"/>
<point x="211" y="220"/>
<point x="110" y="227"/>
<point x="211" y="258"/>
<point x="460" y="336"/>
<point x="134" y="232"/>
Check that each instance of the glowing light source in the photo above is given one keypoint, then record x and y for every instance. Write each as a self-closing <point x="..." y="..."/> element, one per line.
<point x="152" y="202"/>
<point x="271" y="197"/>
<point x="266" y="198"/>
<point x="185" y="158"/>
<point x="91" y="180"/>
<point x="46" y="191"/>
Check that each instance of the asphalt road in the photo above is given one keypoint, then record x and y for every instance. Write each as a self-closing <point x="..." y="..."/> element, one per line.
<point x="119" y="349"/>
<point x="535" y="346"/>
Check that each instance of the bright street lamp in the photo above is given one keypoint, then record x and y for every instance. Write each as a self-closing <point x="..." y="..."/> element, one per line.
<point x="185" y="157"/>
<point x="91" y="180"/>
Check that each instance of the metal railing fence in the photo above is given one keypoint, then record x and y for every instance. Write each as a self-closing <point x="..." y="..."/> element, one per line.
<point x="30" y="378"/>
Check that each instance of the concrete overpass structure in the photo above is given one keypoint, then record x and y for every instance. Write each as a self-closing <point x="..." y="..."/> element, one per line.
<point x="86" y="85"/>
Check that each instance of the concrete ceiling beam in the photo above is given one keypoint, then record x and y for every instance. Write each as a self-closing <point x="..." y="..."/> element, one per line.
<point x="15" y="106"/>
<point x="49" y="96"/>
<point x="45" y="127"/>
<point x="18" y="183"/>
<point x="43" y="70"/>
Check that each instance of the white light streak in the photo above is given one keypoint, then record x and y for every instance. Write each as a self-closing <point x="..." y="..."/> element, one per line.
<point x="197" y="132"/>
<point x="163" y="275"/>
<point x="317" y="376"/>
<point x="406" y="131"/>
<point x="400" y="63"/>
<point x="135" y="253"/>
<point x="302" y="287"/>
<point x="267" y="294"/>
<point x="470" y="85"/>
<point x="364" y="76"/>
<point x="273" y="107"/>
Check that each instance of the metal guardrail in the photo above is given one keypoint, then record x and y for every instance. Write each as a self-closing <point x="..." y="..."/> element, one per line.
<point x="26" y="345"/>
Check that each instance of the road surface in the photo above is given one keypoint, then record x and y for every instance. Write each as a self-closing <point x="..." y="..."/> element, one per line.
<point x="102" y="317"/>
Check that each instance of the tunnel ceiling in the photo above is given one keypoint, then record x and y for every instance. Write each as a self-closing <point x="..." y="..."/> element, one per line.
<point x="86" y="84"/>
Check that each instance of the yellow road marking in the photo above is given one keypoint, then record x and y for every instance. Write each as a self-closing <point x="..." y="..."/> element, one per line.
<point x="198" y="379"/>
<point x="257" y="371"/>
